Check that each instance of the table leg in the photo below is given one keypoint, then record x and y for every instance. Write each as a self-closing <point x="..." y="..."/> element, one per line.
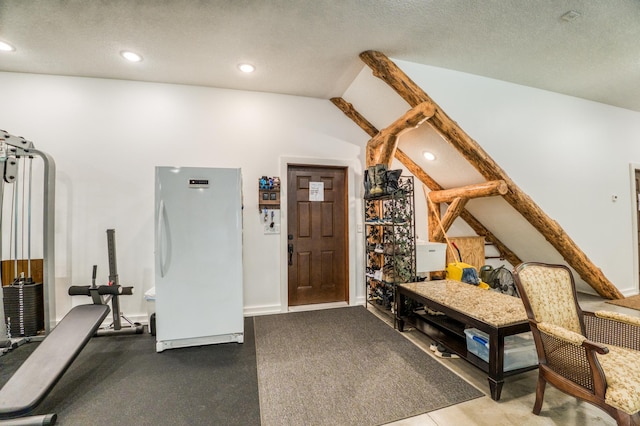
<point x="399" y="319"/>
<point x="496" y="363"/>
<point x="496" y="388"/>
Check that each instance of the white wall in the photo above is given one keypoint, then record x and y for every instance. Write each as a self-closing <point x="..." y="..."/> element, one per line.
<point x="570" y="155"/>
<point x="107" y="136"/>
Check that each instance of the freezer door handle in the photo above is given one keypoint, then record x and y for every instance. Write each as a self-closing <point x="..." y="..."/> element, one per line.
<point x="162" y="261"/>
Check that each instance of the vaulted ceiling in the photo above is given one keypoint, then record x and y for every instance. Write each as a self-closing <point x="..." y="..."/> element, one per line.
<point x="385" y="145"/>
<point x="311" y="47"/>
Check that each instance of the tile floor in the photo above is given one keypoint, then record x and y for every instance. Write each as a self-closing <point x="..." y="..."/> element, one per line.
<point x="518" y="393"/>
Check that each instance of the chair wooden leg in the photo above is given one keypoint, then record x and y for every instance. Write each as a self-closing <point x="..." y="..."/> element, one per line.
<point x="624" y="419"/>
<point x="630" y="419"/>
<point x="539" y="394"/>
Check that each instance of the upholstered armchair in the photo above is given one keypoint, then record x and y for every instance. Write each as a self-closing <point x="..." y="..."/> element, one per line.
<point x="592" y="356"/>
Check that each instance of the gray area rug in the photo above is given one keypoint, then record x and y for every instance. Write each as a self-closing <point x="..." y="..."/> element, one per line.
<point x="345" y="366"/>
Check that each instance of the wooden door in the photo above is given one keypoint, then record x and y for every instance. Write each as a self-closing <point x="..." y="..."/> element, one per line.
<point x="317" y="235"/>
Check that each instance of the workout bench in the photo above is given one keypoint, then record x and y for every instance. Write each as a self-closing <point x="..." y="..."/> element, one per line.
<point x="41" y="371"/>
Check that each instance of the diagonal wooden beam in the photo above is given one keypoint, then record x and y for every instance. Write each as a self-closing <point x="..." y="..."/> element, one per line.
<point x="383" y="143"/>
<point x="382" y="147"/>
<point x="433" y="223"/>
<point x="355" y="116"/>
<point x="506" y="253"/>
<point x="388" y="71"/>
<point x="453" y="211"/>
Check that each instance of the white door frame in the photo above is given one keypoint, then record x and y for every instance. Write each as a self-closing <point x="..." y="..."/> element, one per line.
<point x="354" y="207"/>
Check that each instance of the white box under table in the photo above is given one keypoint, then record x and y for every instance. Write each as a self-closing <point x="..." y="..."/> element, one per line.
<point x="460" y="306"/>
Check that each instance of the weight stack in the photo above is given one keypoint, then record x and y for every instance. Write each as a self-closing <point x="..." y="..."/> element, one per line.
<point x="24" y="308"/>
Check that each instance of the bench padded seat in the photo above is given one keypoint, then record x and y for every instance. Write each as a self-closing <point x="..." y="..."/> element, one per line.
<point x="44" y="367"/>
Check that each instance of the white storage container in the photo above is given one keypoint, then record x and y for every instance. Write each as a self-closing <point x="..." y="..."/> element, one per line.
<point x="519" y="349"/>
<point x="430" y="257"/>
<point x="150" y="297"/>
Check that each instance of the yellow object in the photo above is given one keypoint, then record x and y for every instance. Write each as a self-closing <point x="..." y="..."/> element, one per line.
<point x="455" y="270"/>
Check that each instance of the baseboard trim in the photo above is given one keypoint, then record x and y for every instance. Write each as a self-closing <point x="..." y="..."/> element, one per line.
<point x="251" y="311"/>
<point x="318" y="306"/>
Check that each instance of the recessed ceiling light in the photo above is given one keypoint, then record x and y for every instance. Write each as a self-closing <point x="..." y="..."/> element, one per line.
<point x="6" y="47"/>
<point x="248" y="68"/>
<point x="131" y="56"/>
<point x="429" y="155"/>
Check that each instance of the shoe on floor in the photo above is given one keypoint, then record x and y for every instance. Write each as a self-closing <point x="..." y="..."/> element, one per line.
<point x="445" y="354"/>
<point x="435" y="347"/>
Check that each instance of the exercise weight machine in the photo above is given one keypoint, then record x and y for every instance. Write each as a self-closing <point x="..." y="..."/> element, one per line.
<point x="13" y="151"/>
<point x="28" y="386"/>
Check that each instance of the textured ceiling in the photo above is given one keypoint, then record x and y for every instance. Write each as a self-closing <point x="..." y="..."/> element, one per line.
<point x="311" y="47"/>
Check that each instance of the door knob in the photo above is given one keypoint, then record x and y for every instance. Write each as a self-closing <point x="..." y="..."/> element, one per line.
<point x="290" y="250"/>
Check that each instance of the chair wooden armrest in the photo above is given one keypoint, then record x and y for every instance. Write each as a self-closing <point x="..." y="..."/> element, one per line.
<point x="595" y="346"/>
<point x="613" y="328"/>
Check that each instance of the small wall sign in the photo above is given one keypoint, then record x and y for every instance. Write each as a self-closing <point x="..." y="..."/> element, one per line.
<point x="316" y="191"/>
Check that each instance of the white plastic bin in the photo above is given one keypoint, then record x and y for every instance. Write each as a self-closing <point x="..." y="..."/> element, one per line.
<point x="150" y="297"/>
<point x="519" y="349"/>
<point x="430" y="256"/>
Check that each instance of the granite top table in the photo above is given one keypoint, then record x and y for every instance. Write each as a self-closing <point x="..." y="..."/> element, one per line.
<point x="458" y="306"/>
<point x="491" y="307"/>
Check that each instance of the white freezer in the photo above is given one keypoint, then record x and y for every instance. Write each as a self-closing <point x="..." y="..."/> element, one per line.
<point x="198" y="251"/>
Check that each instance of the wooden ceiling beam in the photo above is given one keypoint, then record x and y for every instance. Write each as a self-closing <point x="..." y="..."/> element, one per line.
<point x="453" y="211"/>
<point x="388" y="71"/>
<point x="348" y="110"/>
<point x="505" y="253"/>
<point x="382" y="147"/>
<point x="484" y="189"/>
<point x="383" y="143"/>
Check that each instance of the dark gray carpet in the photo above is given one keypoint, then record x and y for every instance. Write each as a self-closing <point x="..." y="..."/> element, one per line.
<point x="346" y="367"/>
<point x="123" y="381"/>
